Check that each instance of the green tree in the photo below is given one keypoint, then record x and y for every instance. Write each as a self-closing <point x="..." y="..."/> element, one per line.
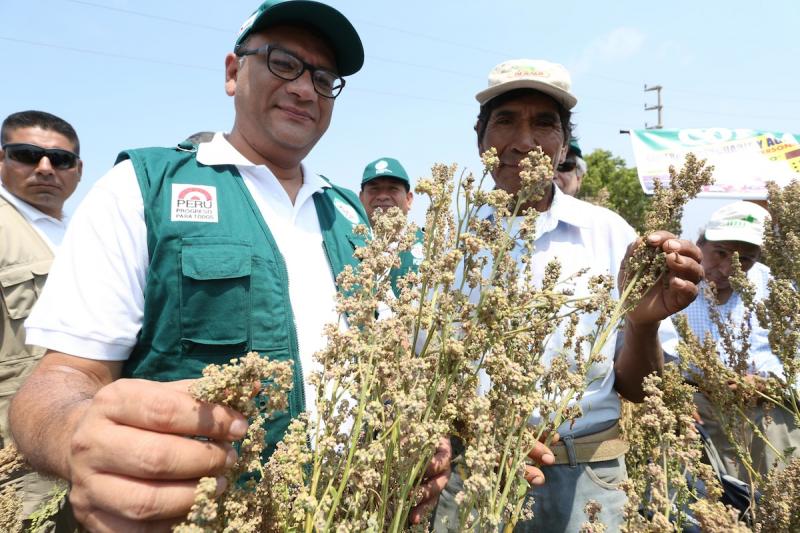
<point x="611" y="184"/>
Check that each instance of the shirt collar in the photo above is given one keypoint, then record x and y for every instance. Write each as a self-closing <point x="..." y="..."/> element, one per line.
<point x="218" y="151"/>
<point x="28" y="211"/>
<point x="568" y="209"/>
<point x="563" y="208"/>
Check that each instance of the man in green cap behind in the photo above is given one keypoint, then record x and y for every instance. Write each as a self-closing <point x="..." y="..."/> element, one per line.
<point x="569" y="174"/>
<point x="385" y="184"/>
<point x="184" y="256"/>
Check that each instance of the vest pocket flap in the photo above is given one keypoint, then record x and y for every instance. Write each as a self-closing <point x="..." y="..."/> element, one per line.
<point x="15" y="276"/>
<point x="20" y="289"/>
<point x="358" y="241"/>
<point x="215" y="296"/>
<point x="216" y="261"/>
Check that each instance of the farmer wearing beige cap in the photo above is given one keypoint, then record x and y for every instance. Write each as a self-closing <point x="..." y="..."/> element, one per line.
<point x="528" y="104"/>
<point x="738" y="228"/>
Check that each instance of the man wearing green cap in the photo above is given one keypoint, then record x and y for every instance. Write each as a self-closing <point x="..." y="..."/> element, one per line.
<point x="195" y="254"/>
<point x="385" y="184"/>
<point x="569" y="174"/>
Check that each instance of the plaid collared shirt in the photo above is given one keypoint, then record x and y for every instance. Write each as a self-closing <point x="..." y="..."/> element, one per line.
<point x="761" y="359"/>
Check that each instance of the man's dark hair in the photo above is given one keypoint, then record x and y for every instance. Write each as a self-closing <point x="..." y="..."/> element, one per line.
<point x="564" y="114"/>
<point x="701" y="239"/>
<point x="41" y="119"/>
<point x="199" y="137"/>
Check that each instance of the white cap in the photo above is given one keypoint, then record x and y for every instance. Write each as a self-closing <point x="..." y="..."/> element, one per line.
<point x="549" y="78"/>
<point x="739" y="221"/>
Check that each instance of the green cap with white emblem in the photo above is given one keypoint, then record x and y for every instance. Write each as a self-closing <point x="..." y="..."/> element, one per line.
<point x="334" y="26"/>
<point x="385" y="167"/>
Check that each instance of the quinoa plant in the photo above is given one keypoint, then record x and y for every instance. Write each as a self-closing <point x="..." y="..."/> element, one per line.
<point x="11" y="462"/>
<point x="459" y="351"/>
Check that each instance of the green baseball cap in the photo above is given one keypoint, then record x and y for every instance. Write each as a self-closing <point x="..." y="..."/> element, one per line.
<point x="575" y="148"/>
<point x="385" y="167"/>
<point x="326" y="20"/>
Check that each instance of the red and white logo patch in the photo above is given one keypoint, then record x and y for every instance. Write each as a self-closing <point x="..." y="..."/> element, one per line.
<point x="194" y="203"/>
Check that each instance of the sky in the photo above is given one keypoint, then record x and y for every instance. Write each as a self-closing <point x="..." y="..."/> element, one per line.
<point x="149" y="73"/>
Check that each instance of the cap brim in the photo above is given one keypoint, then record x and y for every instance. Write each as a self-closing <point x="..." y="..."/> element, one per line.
<point x="728" y="234"/>
<point x="390" y="176"/>
<point x="328" y="21"/>
<point x="559" y="95"/>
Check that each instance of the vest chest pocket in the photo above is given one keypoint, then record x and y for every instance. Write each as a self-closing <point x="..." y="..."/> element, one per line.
<point x="357" y="241"/>
<point x="21" y="288"/>
<point x="215" y="298"/>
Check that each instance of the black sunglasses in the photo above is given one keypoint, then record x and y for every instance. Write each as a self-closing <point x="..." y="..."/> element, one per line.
<point x="567" y="166"/>
<point x="30" y="154"/>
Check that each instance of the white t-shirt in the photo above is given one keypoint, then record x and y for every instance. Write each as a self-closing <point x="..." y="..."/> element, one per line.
<point x="581" y="235"/>
<point x="93" y="302"/>
<point x="51" y="229"/>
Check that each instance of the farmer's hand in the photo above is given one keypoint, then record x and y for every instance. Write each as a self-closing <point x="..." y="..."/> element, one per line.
<point x="757" y="383"/>
<point x="676" y="288"/>
<point x="540" y="454"/>
<point x="436" y="475"/>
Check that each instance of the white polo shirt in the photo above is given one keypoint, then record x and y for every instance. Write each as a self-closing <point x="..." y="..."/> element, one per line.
<point x="93" y="302"/>
<point x="580" y="236"/>
<point x="50" y="229"/>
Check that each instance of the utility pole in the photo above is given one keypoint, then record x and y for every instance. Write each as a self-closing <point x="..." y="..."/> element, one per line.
<point x="658" y="107"/>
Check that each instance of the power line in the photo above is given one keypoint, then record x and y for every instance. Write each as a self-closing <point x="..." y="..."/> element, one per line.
<point x="411" y="96"/>
<point x="717" y="96"/>
<point x="434" y="38"/>
<point x="215" y="28"/>
<point x="109" y="54"/>
<point x="227" y="30"/>
<point x="200" y="67"/>
<point x="149" y="16"/>
<point x="738" y="115"/>
<point x="358" y="89"/>
<point x="413" y="34"/>
<point x="427" y="67"/>
<point x="609" y="78"/>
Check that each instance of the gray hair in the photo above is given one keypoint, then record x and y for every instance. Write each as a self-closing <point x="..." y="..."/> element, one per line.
<point x="580" y="167"/>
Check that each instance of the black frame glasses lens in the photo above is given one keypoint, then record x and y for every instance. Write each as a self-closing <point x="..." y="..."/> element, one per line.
<point x="30" y="154"/>
<point x="289" y="67"/>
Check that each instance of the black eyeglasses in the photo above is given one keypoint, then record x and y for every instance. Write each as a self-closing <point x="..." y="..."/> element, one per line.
<point x="289" y="67"/>
<point x="30" y="154"/>
<point x="567" y="166"/>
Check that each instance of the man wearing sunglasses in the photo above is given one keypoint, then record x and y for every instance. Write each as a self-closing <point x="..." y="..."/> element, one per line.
<point x="569" y="174"/>
<point x="39" y="169"/>
<point x="197" y="254"/>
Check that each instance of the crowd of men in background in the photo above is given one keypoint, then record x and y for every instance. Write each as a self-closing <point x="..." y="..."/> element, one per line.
<point x="111" y="311"/>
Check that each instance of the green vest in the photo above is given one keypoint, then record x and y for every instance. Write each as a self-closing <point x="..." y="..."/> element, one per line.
<point x="217" y="290"/>
<point x="409" y="261"/>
